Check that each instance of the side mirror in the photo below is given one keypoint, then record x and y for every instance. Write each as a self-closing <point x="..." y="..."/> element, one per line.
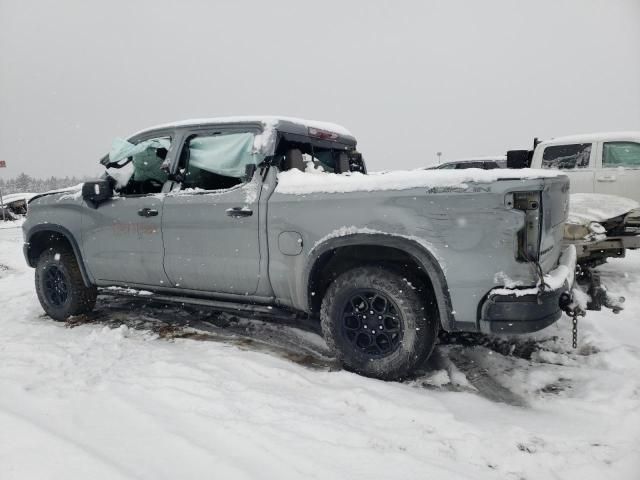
<point x="94" y="193"/>
<point x="518" y="159"/>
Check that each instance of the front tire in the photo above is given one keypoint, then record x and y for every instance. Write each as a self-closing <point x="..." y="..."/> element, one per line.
<point x="59" y="285"/>
<point x="377" y="323"/>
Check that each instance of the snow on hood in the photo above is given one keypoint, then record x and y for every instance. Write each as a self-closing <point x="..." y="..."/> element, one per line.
<point x="73" y="192"/>
<point x="314" y="181"/>
<point x="597" y="207"/>
<point x="12" y="197"/>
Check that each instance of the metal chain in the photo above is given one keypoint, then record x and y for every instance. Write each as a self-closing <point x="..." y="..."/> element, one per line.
<point x="574" y="313"/>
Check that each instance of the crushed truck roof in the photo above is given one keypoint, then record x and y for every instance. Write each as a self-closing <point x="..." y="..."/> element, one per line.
<point x="289" y="124"/>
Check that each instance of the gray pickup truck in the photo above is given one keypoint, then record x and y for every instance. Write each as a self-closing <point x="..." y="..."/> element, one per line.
<point x="280" y="215"/>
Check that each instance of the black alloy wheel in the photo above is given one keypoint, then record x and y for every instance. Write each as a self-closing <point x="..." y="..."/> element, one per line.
<point x="60" y="286"/>
<point x="56" y="286"/>
<point x="379" y="321"/>
<point x="372" y="323"/>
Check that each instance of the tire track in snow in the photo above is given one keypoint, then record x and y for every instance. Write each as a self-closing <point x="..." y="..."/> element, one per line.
<point x="116" y="471"/>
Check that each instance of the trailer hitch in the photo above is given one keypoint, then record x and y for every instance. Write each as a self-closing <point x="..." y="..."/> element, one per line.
<point x="599" y="297"/>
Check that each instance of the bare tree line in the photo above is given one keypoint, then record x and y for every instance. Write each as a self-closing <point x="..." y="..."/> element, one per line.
<point x="26" y="183"/>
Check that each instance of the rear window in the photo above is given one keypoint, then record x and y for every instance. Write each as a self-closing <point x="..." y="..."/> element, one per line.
<point x="566" y="156"/>
<point x="621" y="154"/>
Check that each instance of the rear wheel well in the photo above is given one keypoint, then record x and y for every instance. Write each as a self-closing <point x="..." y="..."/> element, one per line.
<point x="334" y="262"/>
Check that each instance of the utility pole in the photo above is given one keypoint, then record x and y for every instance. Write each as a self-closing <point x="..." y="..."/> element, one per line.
<point x="3" y="164"/>
<point x="439" y="154"/>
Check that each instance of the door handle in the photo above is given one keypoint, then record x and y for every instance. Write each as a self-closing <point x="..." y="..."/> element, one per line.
<point x="607" y="178"/>
<point x="147" y="212"/>
<point x="239" y="212"/>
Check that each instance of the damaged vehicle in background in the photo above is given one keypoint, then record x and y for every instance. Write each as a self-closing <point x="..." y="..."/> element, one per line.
<point x="602" y="226"/>
<point x="279" y="216"/>
<point x="604" y="170"/>
<point x="14" y="206"/>
<point x="605" y="163"/>
<point x="483" y="163"/>
<point x="604" y="217"/>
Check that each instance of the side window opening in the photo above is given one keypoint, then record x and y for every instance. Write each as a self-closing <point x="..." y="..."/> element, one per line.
<point x="305" y="156"/>
<point x="139" y="169"/>
<point x="218" y="161"/>
<point x="448" y="166"/>
<point x="621" y="154"/>
<point x="565" y="157"/>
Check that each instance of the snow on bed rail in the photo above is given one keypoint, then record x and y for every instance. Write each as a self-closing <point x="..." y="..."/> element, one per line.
<point x="313" y="181"/>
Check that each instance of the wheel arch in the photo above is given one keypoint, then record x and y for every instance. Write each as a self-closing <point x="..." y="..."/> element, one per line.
<point x="350" y="250"/>
<point x="39" y="237"/>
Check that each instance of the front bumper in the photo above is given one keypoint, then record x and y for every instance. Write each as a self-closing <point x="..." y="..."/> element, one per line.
<point x="613" y="246"/>
<point x="518" y="310"/>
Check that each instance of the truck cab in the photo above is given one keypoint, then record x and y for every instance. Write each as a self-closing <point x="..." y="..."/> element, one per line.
<point x="607" y="163"/>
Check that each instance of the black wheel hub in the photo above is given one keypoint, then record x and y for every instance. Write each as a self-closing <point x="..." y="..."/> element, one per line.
<point x="372" y="323"/>
<point x="56" y="289"/>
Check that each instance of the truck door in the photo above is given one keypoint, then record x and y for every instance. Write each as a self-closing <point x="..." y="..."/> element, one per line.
<point x="619" y="172"/>
<point x="122" y="238"/>
<point x="576" y="160"/>
<point x="211" y="226"/>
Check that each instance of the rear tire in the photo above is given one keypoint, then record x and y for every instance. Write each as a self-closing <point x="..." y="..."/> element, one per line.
<point x="377" y="323"/>
<point x="59" y="284"/>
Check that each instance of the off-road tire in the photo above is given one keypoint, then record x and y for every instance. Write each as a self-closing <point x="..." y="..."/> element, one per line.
<point x="79" y="298"/>
<point x="417" y="316"/>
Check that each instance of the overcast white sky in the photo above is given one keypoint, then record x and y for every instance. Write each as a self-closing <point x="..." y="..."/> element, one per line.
<point x="408" y="78"/>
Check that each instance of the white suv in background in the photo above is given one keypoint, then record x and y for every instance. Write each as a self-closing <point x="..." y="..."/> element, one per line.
<point x="596" y="163"/>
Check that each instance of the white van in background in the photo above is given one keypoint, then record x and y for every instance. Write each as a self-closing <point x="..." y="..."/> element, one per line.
<point x="596" y="163"/>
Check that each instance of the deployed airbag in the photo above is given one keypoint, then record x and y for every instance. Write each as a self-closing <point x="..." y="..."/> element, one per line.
<point x="121" y="149"/>
<point x="226" y="155"/>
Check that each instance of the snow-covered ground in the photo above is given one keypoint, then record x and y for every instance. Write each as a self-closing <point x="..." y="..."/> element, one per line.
<point x="134" y="392"/>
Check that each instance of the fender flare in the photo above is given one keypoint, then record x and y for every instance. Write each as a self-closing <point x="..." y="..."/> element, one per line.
<point x="59" y="229"/>
<point x="419" y="253"/>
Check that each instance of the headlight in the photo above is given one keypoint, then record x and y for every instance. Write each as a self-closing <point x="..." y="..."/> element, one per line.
<point x="573" y="231"/>
<point x="632" y="219"/>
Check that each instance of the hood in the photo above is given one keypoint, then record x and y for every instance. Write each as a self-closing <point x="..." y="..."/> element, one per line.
<point x="586" y="208"/>
<point x="70" y="190"/>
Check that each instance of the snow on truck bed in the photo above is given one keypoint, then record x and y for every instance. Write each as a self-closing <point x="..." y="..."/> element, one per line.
<point x="106" y="401"/>
<point x="314" y="181"/>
